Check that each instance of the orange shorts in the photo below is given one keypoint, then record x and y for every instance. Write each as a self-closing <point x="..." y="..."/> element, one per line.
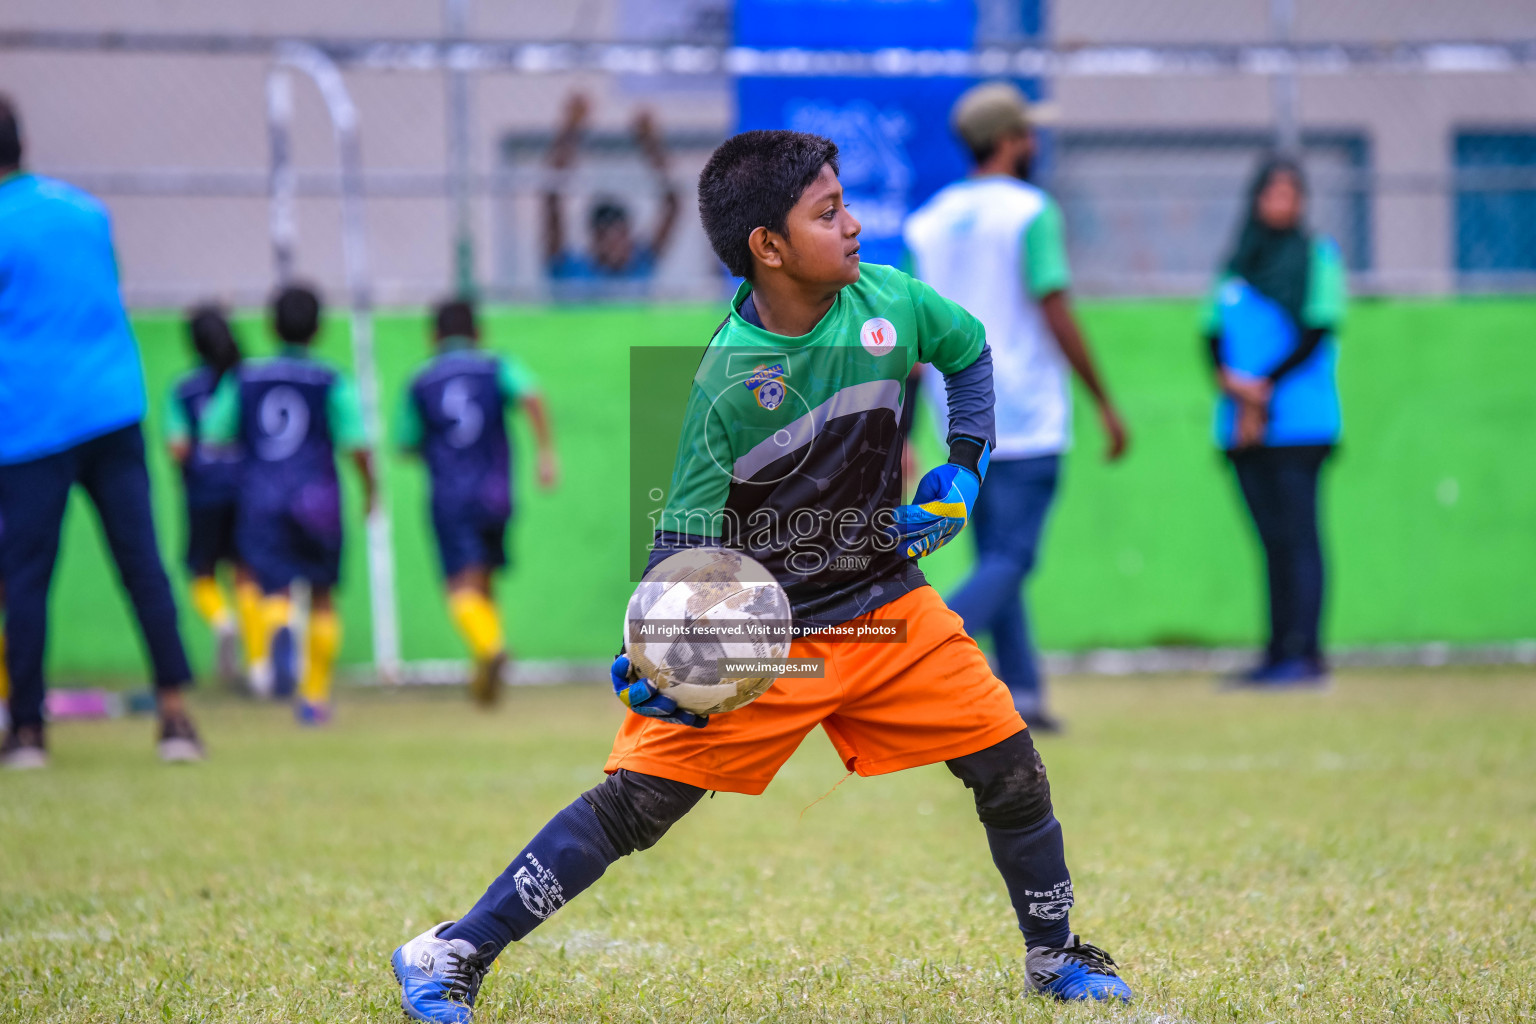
<point x="885" y="706"/>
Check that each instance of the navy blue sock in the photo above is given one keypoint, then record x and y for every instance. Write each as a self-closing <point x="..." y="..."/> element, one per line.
<point x="568" y="855"/>
<point x="1034" y="867"/>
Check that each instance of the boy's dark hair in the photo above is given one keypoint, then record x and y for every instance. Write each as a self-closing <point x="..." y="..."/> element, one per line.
<point x="10" y="134"/>
<point x="454" y="318"/>
<point x="296" y="314"/>
<point x="211" y="337"/>
<point x="752" y="181"/>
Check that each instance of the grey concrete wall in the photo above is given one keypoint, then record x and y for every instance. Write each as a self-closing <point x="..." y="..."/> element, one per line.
<point x="1409" y="123"/>
<point x="87" y="114"/>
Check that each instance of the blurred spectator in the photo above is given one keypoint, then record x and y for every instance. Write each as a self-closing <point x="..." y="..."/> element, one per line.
<point x="994" y="244"/>
<point x="71" y="400"/>
<point x="1270" y="331"/>
<point x="614" y="260"/>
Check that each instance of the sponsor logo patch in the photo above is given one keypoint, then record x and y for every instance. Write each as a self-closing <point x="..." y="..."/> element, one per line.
<point x="1055" y="904"/>
<point x="538" y="888"/>
<point x="878" y="336"/>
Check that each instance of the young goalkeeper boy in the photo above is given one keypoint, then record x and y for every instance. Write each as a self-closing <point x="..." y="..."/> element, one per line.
<point x="791" y="453"/>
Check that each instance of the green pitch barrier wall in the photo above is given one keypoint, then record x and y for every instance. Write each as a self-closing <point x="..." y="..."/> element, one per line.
<point x="1430" y="503"/>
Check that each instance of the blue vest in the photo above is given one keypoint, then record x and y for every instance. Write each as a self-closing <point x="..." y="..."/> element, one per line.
<point x="464" y="435"/>
<point x="211" y="476"/>
<point x="69" y="366"/>
<point x="1256" y="334"/>
<point x="285" y="431"/>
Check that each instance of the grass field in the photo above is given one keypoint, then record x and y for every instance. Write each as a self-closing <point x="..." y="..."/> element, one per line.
<point x="1363" y="855"/>
<point x="1427" y="508"/>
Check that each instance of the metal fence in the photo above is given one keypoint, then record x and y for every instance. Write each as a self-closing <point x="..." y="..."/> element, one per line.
<point x="1422" y="156"/>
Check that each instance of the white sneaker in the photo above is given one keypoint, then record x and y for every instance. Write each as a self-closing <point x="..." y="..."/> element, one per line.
<point x="260" y="679"/>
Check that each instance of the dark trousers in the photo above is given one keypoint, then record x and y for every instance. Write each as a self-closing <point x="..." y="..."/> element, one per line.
<point x="33" y="496"/>
<point x="1280" y="487"/>
<point x="1006" y="524"/>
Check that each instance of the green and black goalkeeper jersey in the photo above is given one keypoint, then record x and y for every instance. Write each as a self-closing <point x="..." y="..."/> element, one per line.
<point x="791" y="448"/>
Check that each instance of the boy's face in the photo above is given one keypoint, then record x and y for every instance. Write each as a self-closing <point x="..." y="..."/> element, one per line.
<point x="820" y="245"/>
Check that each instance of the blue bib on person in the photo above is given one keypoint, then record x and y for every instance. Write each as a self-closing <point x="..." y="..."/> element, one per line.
<point x="1256" y="335"/>
<point x="211" y="475"/>
<point x="69" y="365"/>
<point x="285" y="429"/>
<point x="464" y="436"/>
<point x="576" y="276"/>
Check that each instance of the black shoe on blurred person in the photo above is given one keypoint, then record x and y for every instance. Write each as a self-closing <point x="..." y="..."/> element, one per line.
<point x="24" y="748"/>
<point x="1042" y="721"/>
<point x="485" y="684"/>
<point x="179" y="742"/>
<point x="1285" y="674"/>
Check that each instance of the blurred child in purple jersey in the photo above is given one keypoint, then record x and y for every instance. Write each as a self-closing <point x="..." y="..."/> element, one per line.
<point x="454" y="417"/>
<point x="210" y="477"/>
<point x="290" y="414"/>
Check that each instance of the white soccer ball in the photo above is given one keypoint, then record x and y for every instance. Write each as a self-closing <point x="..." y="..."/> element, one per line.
<point x="696" y="608"/>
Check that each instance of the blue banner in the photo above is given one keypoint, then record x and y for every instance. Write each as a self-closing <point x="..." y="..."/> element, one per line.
<point x="893" y="134"/>
<point x="856" y="24"/>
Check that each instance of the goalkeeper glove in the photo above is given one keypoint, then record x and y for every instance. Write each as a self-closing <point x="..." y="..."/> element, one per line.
<point x="642" y="697"/>
<point x="944" y="499"/>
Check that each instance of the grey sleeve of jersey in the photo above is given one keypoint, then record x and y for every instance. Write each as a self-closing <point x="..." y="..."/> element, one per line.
<point x="968" y="393"/>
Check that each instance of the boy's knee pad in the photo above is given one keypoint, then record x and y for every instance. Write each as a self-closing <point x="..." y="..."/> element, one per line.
<point x="1008" y="781"/>
<point x="636" y="810"/>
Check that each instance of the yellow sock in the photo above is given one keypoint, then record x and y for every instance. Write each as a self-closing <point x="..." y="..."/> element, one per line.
<point x="477" y="620"/>
<point x="252" y="627"/>
<point x="208" y="599"/>
<point x="324" y="641"/>
<point x="5" y="676"/>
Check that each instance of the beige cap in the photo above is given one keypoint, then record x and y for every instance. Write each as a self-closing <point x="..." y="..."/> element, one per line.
<point x="986" y="112"/>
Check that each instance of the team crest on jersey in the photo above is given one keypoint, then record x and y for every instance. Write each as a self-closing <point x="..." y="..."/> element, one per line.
<point x="767" y="384"/>
<point x="878" y="336"/>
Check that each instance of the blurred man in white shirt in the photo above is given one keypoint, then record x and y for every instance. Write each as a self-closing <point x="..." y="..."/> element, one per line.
<point x="994" y="243"/>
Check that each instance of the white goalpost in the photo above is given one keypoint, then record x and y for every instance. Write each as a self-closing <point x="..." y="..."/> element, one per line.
<point x="322" y="71"/>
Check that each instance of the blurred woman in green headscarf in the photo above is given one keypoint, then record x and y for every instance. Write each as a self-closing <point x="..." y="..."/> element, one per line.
<point x="1270" y="329"/>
